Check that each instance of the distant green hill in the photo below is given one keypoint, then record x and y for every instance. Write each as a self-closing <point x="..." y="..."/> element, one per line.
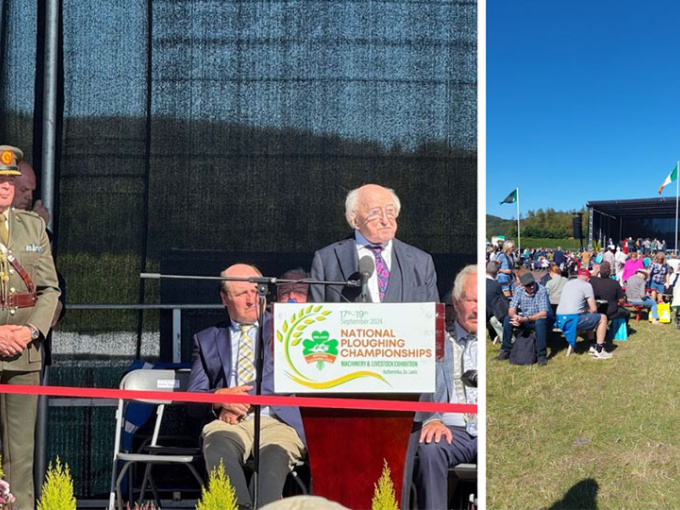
<point x="496" y="226"/>
<point x="546" y="224"/>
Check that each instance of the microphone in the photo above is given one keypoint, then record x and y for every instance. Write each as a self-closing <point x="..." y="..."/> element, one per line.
<point x="366" y="269"/>
<point x="469" y="378"/>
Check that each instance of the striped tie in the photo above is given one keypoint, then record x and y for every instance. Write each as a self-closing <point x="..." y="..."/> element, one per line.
<point x="4" y="234"/>
<point x="381" y="270"/>
<point x="246" y="356"/>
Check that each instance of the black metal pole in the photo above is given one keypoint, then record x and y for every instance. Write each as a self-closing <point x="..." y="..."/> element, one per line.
<point x="262" y="289"/>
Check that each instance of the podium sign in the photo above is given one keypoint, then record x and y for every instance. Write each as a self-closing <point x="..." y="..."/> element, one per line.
<point x="354" y="347"/>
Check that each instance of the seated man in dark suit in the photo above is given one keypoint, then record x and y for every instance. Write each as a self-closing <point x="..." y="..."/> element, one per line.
<point x="448" y="439"/>
<point x="402" y="273"/>
<point x="223" y="361"/>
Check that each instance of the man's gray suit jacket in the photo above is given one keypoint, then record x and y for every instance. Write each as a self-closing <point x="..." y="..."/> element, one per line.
<point x="412" y="274"/>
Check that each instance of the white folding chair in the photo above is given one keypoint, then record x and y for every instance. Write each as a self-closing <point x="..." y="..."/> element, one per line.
<point x="152" y="453"/>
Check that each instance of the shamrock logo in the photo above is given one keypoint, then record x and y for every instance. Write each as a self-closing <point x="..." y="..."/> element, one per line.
<point x="320" y="349"/>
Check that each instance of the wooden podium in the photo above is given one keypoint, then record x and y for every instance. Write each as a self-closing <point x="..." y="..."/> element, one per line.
<point x="348" y="447"/>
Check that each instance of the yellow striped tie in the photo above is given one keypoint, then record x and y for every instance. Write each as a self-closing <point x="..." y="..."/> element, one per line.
<point x="246" y="356"/>
<point x="4" y="234"/>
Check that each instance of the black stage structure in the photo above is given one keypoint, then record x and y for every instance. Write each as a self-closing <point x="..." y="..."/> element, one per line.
<point x="638" y="217"/>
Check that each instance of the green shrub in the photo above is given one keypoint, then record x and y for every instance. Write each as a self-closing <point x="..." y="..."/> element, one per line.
<point x="57" y="492"/>
<point x="384" y="497"/>
<point x="220" y="494"/>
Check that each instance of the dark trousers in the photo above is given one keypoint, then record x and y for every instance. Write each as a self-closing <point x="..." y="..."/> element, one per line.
<point x="432" y="463"/>
<point x="620" y="313"/>
<point x="540" y="327"/>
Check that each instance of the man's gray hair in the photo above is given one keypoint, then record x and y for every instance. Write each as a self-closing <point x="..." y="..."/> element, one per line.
<point x="352" y="204"/>
<point x="492" y="268"/>
<point x="461" y="280"/>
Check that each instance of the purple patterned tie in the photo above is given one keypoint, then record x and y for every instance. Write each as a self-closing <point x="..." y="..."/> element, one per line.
<point x="381" y="270"/>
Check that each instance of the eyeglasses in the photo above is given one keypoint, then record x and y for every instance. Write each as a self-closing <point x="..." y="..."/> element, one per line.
<point x="377" y="212"/>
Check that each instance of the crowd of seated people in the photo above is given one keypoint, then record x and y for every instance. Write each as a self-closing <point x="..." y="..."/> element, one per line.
<point x="610" y="282"/>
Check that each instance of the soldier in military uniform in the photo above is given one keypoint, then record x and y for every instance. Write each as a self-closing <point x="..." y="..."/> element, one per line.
<point x="29" y="291"/>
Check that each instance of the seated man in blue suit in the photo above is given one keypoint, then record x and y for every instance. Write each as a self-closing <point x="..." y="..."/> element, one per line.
<point x="448" y="439"/>
<point x="403" y="273"/>
<point x="223" y="361"/>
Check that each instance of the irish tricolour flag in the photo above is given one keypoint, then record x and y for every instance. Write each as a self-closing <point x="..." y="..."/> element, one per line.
<point x="672" y="177"/>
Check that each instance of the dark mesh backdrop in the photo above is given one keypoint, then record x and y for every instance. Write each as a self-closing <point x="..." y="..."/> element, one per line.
<point x="207" y="129"/>
<point x="240" y="126"/>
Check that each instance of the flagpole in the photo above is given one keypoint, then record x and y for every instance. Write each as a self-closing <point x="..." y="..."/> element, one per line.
<point x="519" y="238"/>
<point x="677" y="194"/>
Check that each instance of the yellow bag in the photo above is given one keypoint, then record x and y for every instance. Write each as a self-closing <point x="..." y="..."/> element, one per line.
<point x="664" y="310"/>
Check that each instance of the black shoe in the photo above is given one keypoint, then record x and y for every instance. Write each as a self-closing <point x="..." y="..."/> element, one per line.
<point x="542" y="361"/>
<point x="502" y="356"/>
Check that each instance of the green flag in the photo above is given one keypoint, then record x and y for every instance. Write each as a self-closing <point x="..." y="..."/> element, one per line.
<point x="511" y="198"/>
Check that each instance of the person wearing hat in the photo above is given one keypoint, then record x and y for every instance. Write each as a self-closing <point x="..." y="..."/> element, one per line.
<point x="578" y="298"/>
<point x="637" y="293"/>
<point x="29" y="293"/>
<point x="529" y="309"/>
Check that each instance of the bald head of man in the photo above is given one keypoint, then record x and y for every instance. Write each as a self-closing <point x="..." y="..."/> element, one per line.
<point x="24" y="186"/>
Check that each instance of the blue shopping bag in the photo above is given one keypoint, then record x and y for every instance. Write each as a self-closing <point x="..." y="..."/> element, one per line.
<point x="618" y="330"/>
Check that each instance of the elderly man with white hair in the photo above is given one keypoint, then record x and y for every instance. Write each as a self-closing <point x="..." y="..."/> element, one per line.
<point x="448" y="439"/>
<point x="403" y="273"/>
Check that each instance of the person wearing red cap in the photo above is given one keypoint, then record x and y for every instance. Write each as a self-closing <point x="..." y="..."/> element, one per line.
<point x="578" y="298"/>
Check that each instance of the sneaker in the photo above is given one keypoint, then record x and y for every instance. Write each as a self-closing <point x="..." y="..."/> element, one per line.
<point x="592" y="350"/>
<point x="502" y="356"/>
<point x="603" y="355"/>
<point x="542" y="361"/>
<point x="496" y="340"/>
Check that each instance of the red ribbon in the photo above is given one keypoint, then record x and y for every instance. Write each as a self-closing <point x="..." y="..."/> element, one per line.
<point x="264" y="400"/>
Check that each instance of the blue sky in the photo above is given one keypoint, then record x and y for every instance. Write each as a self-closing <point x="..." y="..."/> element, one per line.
<point x="583" y="101"/>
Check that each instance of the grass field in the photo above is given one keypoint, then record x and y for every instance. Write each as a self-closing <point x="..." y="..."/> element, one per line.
<point x="582" y="433"/>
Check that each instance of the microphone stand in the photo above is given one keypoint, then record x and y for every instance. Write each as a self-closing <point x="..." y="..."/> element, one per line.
<point x="262" y="288"/>
<point x="259" y="366"/>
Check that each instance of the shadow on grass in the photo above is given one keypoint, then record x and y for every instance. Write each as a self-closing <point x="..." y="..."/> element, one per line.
<point x="582" y="496"/>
